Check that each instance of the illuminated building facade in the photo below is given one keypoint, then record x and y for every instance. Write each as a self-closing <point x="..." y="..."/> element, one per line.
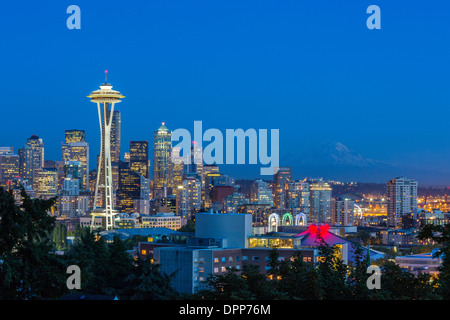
<point x="342" y="212"/>
<point x="26" y="164"/>
<point x="129" y="188"/>
<point x="189" y="196"/>
<point x="298" y="196"/>
<point x="105" y="98"/>
<point x="77" y="151"/>
<point x="261" y="193"/>
<point x="320" y="202"/>
<point x="45" y="182"/>
<point x="31" y="157"/>
<point x="162" y="162"/>
<point x="177" y="167"/>
<point x="139" y="157"/>
<point x="162" y="220"/>
<point x="74" y="135"/>
<point x="401" y="200"/>
<point x="9" y="168"/>
<point x="281" y="187"/>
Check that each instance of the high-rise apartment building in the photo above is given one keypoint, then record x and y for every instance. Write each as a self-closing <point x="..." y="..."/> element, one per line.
<point x="281" y="187"/>
<point x="189" y="196"/>
<point x="298" y="196"/>
<point x="342" y="212"/>
<point x="26" y="164"/>
<point x="139" y="157"/>
<point x="162" y="162"/>
<point x="401" y="200"/>
<point x="320" y="202"/>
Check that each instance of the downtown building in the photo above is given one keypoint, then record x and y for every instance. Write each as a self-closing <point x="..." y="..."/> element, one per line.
<point x="9" y="166"/>
<point x="281" y="187"/>
<point x="45" y="182"/>
<point x="298" y="197"/>
<point x="342" y="212"/>
<point x="31" y="158"/>
<point x="189" y="196"/>
<point x="138" y="158"/>
<point x="261" y="193"/>
<point x="162" y="162"/>
<point x="75" y="148"/>
<point x="320" y="202"/>
<point x="401" y="201"/>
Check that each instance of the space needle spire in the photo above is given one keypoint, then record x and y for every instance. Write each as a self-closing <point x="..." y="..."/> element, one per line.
<point x="105" y="98"/>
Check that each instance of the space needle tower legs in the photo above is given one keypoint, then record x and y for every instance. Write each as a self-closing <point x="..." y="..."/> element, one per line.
<point x="105" y="98"/>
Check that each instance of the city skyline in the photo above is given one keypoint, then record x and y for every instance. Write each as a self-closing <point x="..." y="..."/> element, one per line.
<point x="313" y="71"/>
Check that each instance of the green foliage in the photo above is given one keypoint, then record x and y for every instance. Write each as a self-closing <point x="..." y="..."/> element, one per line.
<point x="60" y="237"/>
<point x="29" y="267"/>
<point x="147" y="282"/>
<point x="327" y="279"/>
<point x="188" y="227"/>
<point x="441" y="236"/>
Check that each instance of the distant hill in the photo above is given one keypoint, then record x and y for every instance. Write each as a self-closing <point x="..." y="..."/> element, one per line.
<point x="335" y="161"/>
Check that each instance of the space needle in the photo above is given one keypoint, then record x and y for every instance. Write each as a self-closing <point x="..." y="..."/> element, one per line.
<point x="105" y="98"/>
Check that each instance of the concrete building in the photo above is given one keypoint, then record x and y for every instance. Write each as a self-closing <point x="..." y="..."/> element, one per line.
<point x="235" y="227"/>
<point x="320" y="202"/>
<point x="401" y="200"/>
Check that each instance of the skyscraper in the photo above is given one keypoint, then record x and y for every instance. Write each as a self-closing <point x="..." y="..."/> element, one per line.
<point x="37" y="145"/>
<point x="9" y="168"/>
<point x="281" y="186"/>
<point x="401" y="200"/>
<point x="116" y="136"/>
<point x="45" y="182"/>
<point x="129" y="188"/>
<point x="261" y="193"/>
<point x="320" y="202"/>
<point x="298" y="196"/>
<point x="104" y="98"/>
<point x="139" y="157"/>
<point x="74" y="135"/>
<point x="189" y="196"/>
<point x="162" y="161"/>
<point x="76" y="148"/>
<point x="26" y="164"/>
<point x="31" y="157"/>
<point x="342" y="212"/>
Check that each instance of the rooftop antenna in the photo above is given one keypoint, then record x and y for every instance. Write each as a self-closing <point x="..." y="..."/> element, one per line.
<point x="106" y="76"/>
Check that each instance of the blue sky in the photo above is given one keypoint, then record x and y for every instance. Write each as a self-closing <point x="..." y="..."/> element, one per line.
<point x="311" y="69"/>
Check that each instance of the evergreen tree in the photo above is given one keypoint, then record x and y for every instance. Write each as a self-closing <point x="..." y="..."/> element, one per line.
<point x="60" y="237"/>
<point x="29" y="267"/>
<point x="147" y="282"/>
<point x="440" y="235"/>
